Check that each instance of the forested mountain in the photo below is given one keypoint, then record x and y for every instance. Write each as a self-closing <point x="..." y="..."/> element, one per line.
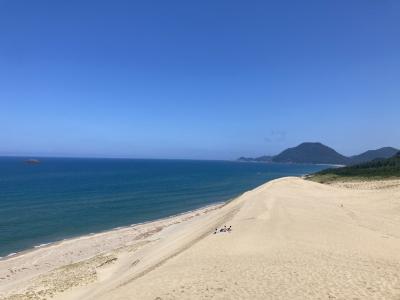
<point x="385" y="152"/>
<point x="317" y="153"/>
<point x="314" y="153"/>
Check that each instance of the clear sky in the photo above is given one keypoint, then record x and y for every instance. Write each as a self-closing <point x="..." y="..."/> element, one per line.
<point x="197" y="79"/>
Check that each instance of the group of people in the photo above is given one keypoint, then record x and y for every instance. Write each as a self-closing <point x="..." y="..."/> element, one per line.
<point x="223" y="229"/>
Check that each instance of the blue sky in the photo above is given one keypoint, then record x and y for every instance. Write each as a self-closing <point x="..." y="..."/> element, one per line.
<point x="197" y="79"/>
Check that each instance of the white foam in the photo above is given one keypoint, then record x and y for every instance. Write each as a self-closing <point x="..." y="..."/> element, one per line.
<point x="41" y="245"/>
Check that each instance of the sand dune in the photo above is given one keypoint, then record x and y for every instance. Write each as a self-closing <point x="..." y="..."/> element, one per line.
<point x="291" y="239"/>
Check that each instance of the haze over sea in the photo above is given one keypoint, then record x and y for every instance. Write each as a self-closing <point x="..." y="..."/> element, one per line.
<point x="66" y="197"/>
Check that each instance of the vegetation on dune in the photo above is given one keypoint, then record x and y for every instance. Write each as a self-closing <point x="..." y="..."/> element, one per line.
<point x="376" y="169"/>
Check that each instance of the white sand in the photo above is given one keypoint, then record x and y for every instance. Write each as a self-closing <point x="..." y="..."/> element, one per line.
<point x="291" y="239"/>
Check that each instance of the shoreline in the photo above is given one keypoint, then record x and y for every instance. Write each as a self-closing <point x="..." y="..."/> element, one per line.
<point x="25" y="271"/>
<point x="13" y="255"/>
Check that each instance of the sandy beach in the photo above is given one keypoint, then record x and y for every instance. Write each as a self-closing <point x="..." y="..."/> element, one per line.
<point x="291" y="239"/>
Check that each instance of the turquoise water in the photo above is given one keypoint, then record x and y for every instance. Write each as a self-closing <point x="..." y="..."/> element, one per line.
<point x="64" y="197"/>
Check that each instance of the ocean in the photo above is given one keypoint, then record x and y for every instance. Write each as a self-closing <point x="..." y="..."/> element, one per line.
<point x="61" y="198"/>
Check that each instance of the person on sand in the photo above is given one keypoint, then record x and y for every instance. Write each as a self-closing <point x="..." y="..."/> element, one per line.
<point x="230" y="228"/>
<point x="216" y="230"/>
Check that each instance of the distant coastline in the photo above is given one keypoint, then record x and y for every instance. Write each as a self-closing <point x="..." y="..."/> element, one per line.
<point x="289" y="163"/>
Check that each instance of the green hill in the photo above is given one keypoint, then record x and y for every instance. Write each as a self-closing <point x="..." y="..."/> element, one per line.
<point x="385" y="152"/>
<point x="376" y="169"/>
<point x="315" y="153"/>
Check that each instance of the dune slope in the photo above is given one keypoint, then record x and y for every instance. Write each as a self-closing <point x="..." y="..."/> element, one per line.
<point x="291" y="239"/>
